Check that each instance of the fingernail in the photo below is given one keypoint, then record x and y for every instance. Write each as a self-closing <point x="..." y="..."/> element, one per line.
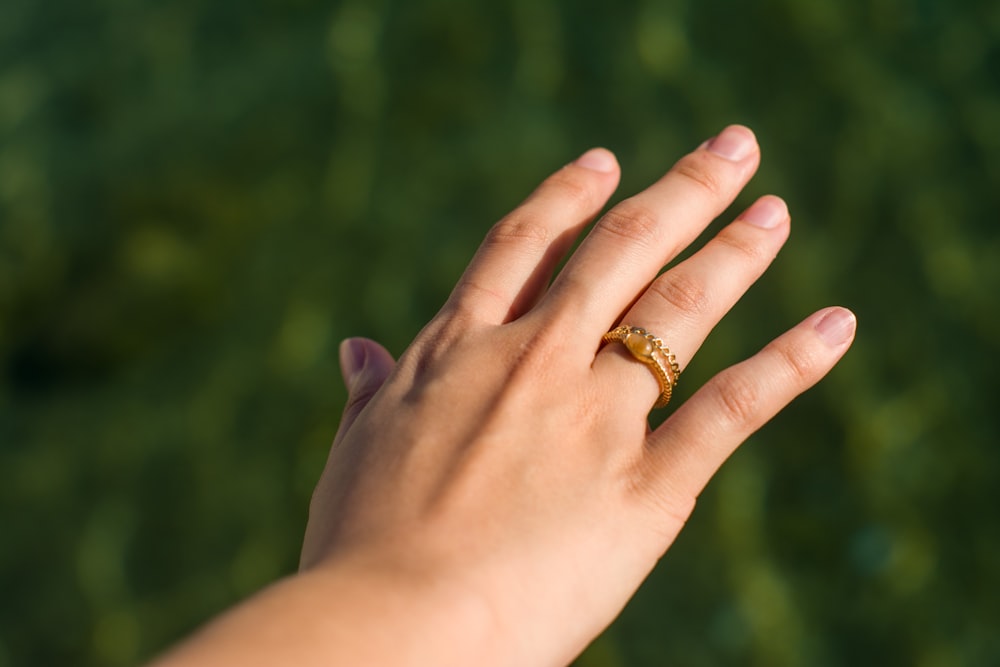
<point x="837" y="326"/>
<point x="766" y="213"/>
<point x="352" y="359"/>
<point x="597" y="159"/>
<point x="733" y="143"/>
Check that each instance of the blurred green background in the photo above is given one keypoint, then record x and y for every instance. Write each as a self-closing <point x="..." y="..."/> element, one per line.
<point x="199" y="200"/>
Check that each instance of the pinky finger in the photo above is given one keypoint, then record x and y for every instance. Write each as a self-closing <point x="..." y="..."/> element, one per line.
<point x="687" y="449"/>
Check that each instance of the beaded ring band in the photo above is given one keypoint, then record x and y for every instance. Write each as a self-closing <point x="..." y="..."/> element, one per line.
<point x="651" y="351"/>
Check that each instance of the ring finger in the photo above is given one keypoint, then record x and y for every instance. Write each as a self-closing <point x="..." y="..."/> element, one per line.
<point x="684" y="304"/>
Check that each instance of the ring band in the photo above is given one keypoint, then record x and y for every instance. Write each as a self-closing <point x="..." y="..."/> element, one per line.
<point x="650" y="350"/>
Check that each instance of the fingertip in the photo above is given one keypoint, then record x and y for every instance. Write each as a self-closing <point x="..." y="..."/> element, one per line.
<point x="767" y="212"/>
<point x="598" y="159"/>
<point x="734" y="143"/>
<point x="836" y="326"/>
<point x="775" y="200"/>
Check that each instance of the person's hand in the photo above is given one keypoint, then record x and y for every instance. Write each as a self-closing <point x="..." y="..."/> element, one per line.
<point x="505" y="460"/>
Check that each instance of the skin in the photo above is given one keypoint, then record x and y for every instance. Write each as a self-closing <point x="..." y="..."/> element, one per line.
<point x="496" y="496"/>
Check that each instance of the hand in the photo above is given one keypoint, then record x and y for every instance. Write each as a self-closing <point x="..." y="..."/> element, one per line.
<point x="507" y="456"/>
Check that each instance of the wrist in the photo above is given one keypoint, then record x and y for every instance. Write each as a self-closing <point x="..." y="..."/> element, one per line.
<point x="403" y="614"/>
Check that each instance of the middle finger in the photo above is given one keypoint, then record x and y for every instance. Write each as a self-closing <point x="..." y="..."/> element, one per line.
<point x="635" y="239"/>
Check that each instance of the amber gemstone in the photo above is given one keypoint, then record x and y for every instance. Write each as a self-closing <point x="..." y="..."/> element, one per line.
<point x="640" y="346"/>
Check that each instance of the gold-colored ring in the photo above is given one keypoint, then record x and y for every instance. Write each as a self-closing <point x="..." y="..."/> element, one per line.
<point x="651" y="351"/>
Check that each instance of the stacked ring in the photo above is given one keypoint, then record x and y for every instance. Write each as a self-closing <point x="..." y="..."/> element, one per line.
<point x="651" y="351"/>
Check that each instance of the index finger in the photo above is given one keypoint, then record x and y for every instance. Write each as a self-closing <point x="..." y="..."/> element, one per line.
<point x="516" y="259"/>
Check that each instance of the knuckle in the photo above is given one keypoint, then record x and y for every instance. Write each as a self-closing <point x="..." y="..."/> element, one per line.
<point x="682" y="292"/>
<point x="670" y="503"/>
<point x="632" y="222"/>
<point x="673" y="510"/>
<point x="749" y="249"/>
<point x="468" y="296"/>
<point x="520" y="230"/>
<point x="572" y="187"/>
<point x="540" y="346"/>
<point x="739" y="399"/>
<point x="701" y="174"/>
<point x="798" y="362"/>
<point x="455" y="321"/>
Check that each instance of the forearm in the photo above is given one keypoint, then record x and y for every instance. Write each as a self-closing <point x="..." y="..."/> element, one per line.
<point x="346" y="615"/>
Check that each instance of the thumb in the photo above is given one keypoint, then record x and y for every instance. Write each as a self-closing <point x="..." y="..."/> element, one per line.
<point x="365" y="365"/>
